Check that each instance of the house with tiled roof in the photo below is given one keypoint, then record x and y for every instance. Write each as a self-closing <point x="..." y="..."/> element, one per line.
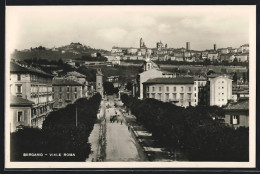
<point x="237" y="114"/>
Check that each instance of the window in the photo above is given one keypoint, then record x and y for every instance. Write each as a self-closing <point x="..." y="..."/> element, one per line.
<point x="18" y="77"/>
<point x="60" y="96"/>
<point x="194" y="88"/>
<point x="167" y="96"/>
<point x="222" y="87"/>
<point x="160" y="88"/>
<point x="189" y="88"/>
<point x="147" y="95"/>
<point x="174" y="88"/>
<point x="181" y="96"/>
<point x="234" y="119"/>
<point x="68" y="89"/>
<point x="76" y="96"/>
<point x="60" y="89"/>
<point x="174" y="96"/>
<point x="159" y="96"/>
<point x="68" y="96"/>
<point x="76" y="89"/>
<point x="147" y="88"/>
<point x="153" y="89"/>
<point x="19" y="89"/>
<point x="52" y="89"/>
<point x="195" y="95"/>
<point x="182" y="89"/>
<point x="20" y="116"/>
<point x="167" y="88"/>
<point x="189" y="96"/>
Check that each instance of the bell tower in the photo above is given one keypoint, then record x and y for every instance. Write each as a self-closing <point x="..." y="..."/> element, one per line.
<point x="99" y="82"/>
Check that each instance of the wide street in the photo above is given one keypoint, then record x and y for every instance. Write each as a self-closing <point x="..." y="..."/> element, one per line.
<point x="120" y="144"/>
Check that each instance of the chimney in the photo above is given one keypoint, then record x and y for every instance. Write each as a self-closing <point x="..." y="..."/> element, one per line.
<point x="187" y="46"/>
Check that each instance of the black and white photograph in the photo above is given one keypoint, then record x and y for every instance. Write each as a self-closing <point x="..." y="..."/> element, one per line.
<point x="162" y="86"/>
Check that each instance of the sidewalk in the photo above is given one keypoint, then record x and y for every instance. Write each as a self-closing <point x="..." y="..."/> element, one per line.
<point x="153" y="151"/>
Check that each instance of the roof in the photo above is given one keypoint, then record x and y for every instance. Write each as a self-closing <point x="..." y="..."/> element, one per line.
<point x="76" y="74"/>
<point x="65" y="82"/>
<point x="198" y="78"/>
<point x="19" y="101"/>
<point x="178" y="80"/>
<point x="15" y="68"/>
<point x="243" y="105"/>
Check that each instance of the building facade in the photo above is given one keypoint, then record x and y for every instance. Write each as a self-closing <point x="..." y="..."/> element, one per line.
<point x="34" y="85"/>
<point x="20" y="113"/>
<point x="66" y="91"/>
<point x="219" y="90"/>
<point x="237" y="114"/>
<point x="179" y="90"/>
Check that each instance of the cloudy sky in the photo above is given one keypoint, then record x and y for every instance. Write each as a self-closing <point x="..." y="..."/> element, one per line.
<point x="107" y="26"/>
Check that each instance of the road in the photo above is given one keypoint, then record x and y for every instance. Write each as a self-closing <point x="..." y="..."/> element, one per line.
<point x="120" y="144"/>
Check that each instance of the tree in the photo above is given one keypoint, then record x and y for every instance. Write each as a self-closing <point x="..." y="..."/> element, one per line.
<point x="129" y="86"/>
<point x="108" y="88"/>
<point x="116" y="90"/>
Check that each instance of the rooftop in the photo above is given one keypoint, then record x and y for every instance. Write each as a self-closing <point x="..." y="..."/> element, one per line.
<point x="178" y="80"/>
<point x="65" y="82"/>
<point x="19" y="101"/>
<point x="76" y="74"/>
<point x="16" y="68"/>
<point x="243" y="105"/>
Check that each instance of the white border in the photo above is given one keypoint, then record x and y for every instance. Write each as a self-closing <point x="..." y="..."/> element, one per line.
<point x="252" y="128"/>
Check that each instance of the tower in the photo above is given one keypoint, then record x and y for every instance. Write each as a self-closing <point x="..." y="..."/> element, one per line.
<point x="99" y="82"/>
<point x="141" y="42"/>
<point x="215" y="47"/>
<point x="187" y="46"/>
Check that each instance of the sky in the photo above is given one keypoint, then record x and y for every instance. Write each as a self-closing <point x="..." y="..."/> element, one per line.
<point x="106" y="26"/>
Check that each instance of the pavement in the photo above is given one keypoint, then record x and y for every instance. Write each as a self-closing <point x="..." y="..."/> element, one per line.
<point x="120" y="144"/>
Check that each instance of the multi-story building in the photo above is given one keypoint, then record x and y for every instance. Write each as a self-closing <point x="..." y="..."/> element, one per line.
<point x="34" y="85"/>
<point x="177" y="90"/>
<point x="219" y="90"/>
<point x="66" y="91"/>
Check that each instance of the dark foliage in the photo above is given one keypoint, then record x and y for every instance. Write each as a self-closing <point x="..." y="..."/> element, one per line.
<point x="64" y="131"/>
<point x="191" y="129"/>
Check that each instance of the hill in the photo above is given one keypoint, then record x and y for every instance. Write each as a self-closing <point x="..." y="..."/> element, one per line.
<point x="71" y="51"/>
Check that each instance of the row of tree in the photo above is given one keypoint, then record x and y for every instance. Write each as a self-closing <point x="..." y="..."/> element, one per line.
<point x="191" y="130"/>
<point x="63" y="131"/>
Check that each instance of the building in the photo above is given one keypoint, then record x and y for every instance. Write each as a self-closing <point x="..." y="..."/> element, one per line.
<point x="76" y="76"/>
<point x="237" y="114"/>
<point x="213" y="56"/>
<point x="243" y="57"/>
<point x="199" y="90"/>
<point x="33" y="85"/>
<point x="20" y="113"/>
<point x="227" y="57"/>
<point x="178" y="91"/>
<point x="99" y="82"/>
<point x="244" y="48"/>
<point x="219" y="90"/>
<point x="66" y="91"/>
